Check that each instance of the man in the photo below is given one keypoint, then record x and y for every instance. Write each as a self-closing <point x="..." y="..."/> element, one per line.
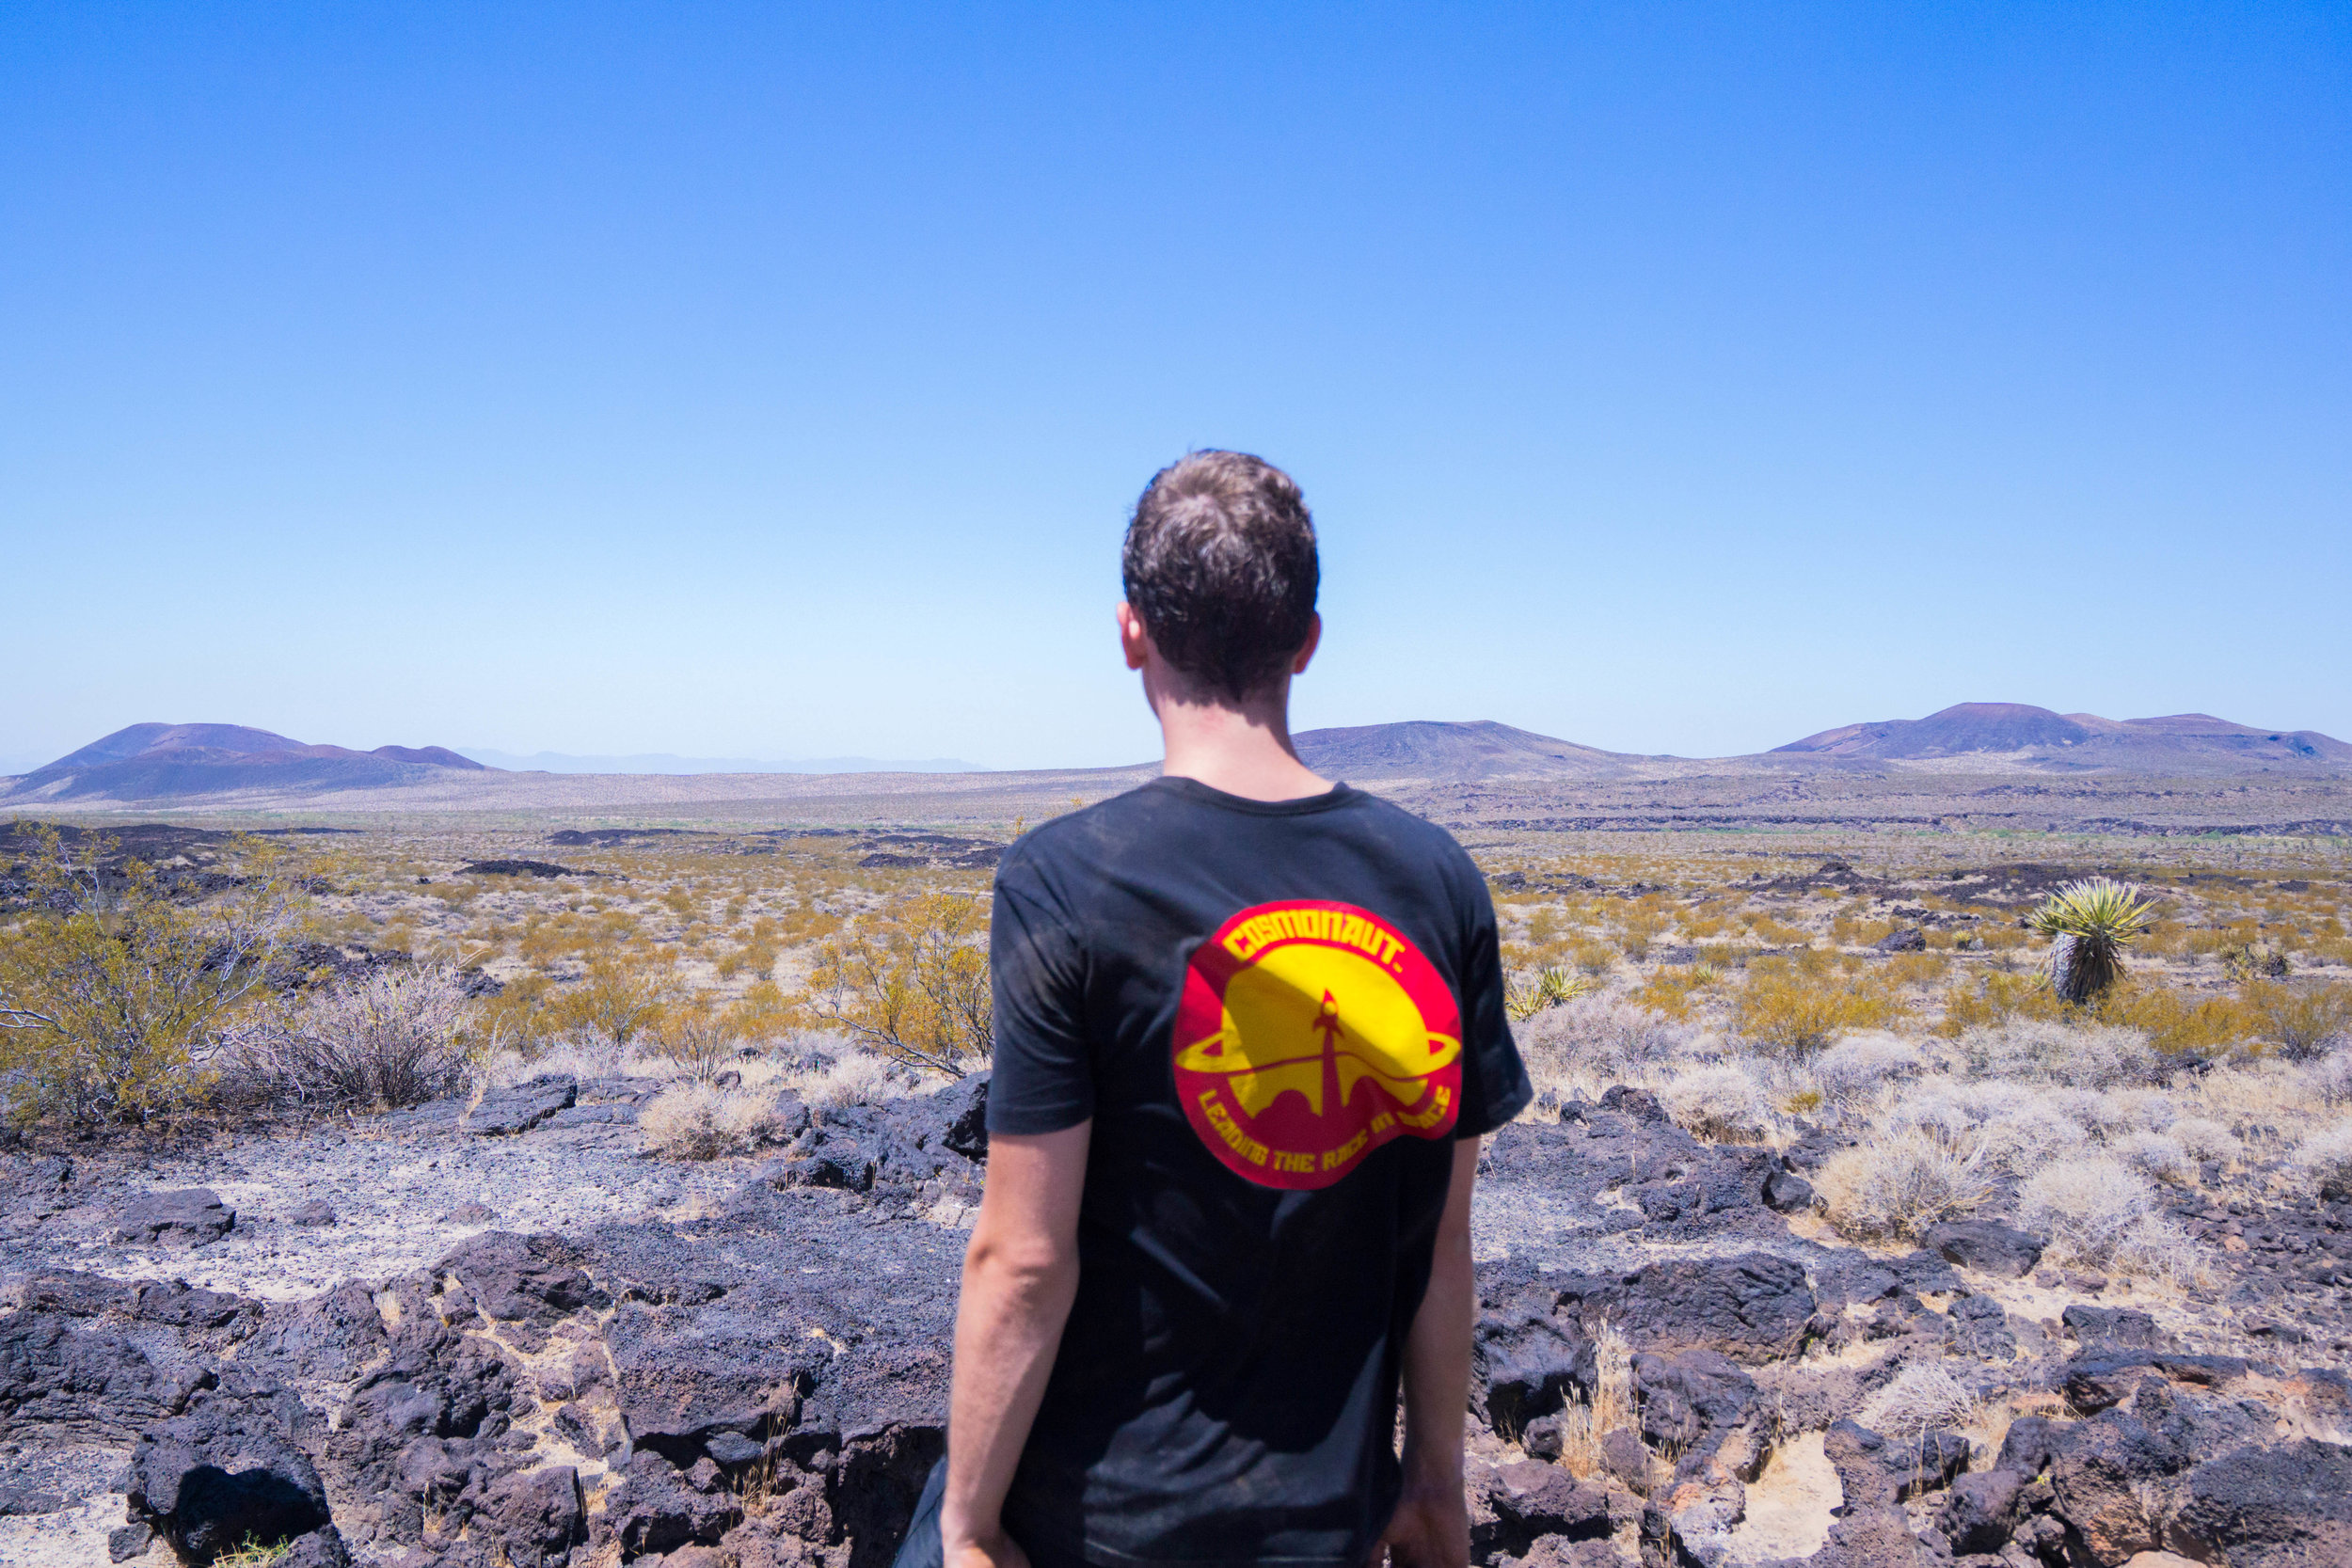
<point x="1249" y="1031"/>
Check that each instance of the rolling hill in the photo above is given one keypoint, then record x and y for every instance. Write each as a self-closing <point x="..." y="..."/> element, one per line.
<point x="151" y="762"/>
<point x="1434" y="749"/>
<point x="2184" y="743"/>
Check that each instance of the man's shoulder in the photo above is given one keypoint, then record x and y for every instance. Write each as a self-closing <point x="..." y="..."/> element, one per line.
<point x="1076" y="838"/>
<point x="1133" y="827"/>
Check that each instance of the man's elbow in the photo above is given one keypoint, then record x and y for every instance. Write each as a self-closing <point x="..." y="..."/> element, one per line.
<point x="1026" y="1265"/>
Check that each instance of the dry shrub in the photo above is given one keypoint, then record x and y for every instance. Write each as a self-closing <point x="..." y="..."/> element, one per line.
<point x="394" y="1036"/>
<point x="1995" y="1000"/>
<point x="1786" y="1010"/>
<point x="1594" y="1037"/>
<point x="2099" y="1211"/>
<point x="1898" y="1183"/>
<point x="2157" y="1156"/>
<point x="2174" y="1020"/>
<point x="698" y="1122"/>
<point x="2204" y="1138"/>
<point x="2087" y="1055"/>
<point x="2326" y="1161"/>
<point x="2303" y="1023"/>
<point x="699" y="1042"/>
<point x="1855" y="1068"/>
<point x="621" y="997"/>
<point x="1923" y="1398"/>
<point x="856" y="1079"/>
<point x="2330" y="1078"/>
<point x="1718" y="1103"/>
<point x="912" y="981"/>
<point x="2119" y="1113"/>
<point x="1584" y="1423"/>
<point x="2027" y="1139"/>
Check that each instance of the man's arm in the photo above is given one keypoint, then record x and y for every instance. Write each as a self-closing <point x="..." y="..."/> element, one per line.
<point x="1020" y="1275"/>
<point x="1431" y="1527"/>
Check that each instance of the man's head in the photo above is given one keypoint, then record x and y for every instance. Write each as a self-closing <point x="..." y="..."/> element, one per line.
<point x="1220" y="566"/>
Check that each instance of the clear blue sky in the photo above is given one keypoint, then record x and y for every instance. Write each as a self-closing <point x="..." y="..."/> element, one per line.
<point x="769" y="380"/>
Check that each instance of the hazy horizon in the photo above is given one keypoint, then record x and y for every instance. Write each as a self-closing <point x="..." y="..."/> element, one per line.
<point x="735" y="381"/>
<point x="14" y="763"/>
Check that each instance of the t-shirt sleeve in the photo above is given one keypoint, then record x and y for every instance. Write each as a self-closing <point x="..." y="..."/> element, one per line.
<point x="1495" y="1085"/>
<point x="1044" y="1079"/>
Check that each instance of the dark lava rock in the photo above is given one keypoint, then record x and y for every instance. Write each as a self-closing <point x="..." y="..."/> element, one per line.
<point x="1752" y="1306"/>
<point x="315" y="1212"/>
<point x="1532" y="1499"/>
<point x="2097" y="1379"/>
<point x="1688" y="1403"/>
<point x="85" y="1381"/>
<point x="1932" y="1463"/>
<point x="536" y="1515"/>
<point x="522" y="1106"/>
<point x="516" y="1279"/>
<point x="2113" y="1325"/>
<point x="2102" y="1475"/>
<point x="521" y="868"/>
<point x="192" y="1218"/>
<point x="2279" y="1507"/>
<point x="1985" y="1245"/>
<point x="1980" y="1327"/>
<point x="1981" y="1511"/>
<point x="2032" y="1442"/>
<point x="226" y="1470"/>
<point x="1912" y="941"/>
<point x="1526" y="1362"/>
<point x="1786" y="1192"/>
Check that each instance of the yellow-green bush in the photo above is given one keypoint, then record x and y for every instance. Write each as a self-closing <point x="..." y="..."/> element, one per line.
<point x="1795" y="1008"/>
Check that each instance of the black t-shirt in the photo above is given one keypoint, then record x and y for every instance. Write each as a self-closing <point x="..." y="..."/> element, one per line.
<point x="1279" y="1015"/>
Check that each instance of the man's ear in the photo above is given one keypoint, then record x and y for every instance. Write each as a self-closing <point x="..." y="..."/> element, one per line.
<point x="1134" y="641"/>
<point x="1307" y="649"/>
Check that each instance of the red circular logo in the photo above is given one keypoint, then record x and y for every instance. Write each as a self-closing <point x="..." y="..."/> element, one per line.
<point x="1309" y="1034"/>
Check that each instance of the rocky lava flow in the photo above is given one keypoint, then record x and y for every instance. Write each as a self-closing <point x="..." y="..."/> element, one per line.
<point x="1675" y="1363"/>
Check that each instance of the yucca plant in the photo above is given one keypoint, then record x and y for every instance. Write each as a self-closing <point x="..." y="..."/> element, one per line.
<point x="1523" y="998"/>
<point x="2088" y="924"/>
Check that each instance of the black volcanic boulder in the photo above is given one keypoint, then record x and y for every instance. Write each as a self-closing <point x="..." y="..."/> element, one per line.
<point x="191" y="1217"/>
<point x="521" y="1107"/>
<point x="1688" y="1403"/>
<point x="1985" y="1245"/>
<point x="2104" y="1476"/>
<point x="1752" y="1306"/>
<point x="1981" y="1511"/>
<point x="1532" y="1499"/>
<point x="2279" y="1508"/>
<point x="86" y="1380"/>
<point x="1526" y="1362"/>
<point x="227" y="1471"/>
<point x="520" y="1279"/>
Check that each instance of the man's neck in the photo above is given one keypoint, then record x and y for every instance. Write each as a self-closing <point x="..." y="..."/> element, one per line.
<point x="1242" y="751"/>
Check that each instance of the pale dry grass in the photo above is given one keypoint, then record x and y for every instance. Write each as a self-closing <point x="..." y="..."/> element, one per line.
<point x="1924" y="1396"/>
<point x="2101" y="1213"/>
<point x="2090" y="1056"/>
<point x="1722" y="1102"/>
<point x="697" y="1121"/>
<point x="2326" y="1159"/>
<point x="1584" y="1423"/>
<point x="856" y="1079"/>
<point x="1896" y="1184"/>
<point x="2158" y="1156"/>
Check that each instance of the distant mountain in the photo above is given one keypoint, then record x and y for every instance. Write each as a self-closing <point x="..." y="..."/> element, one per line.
<point x="154" y="762"/>
<point x="2181" y="742"/>
<point x="1432" y="749"/>
<point x="662" y="762"/>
